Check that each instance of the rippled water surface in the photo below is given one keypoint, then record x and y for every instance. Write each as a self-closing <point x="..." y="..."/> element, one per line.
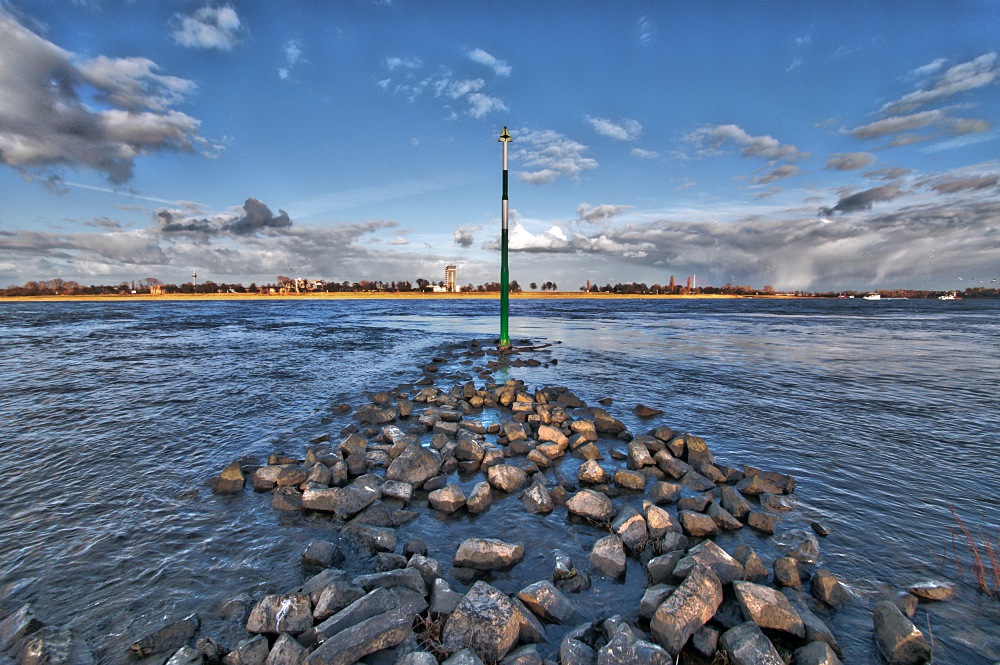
<point x="115" y="414"/>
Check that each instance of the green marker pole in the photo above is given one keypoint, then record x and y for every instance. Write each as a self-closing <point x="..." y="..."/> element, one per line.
<point x="504" y="273"/>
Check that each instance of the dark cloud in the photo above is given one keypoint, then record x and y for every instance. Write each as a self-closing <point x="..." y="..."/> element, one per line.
<point x="257" y="218"/>
<point x="599" y="213"/>
<point x="47" y="121"/>
<point x="864" y="199"/>
<point x="783" y="171"/>
<point x="464" y="235"/>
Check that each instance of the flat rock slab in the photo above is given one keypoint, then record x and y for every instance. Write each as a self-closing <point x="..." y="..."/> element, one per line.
<point x="488" y="554"/>
<point x="283" y="613"/>
<point x="354" y="643"/>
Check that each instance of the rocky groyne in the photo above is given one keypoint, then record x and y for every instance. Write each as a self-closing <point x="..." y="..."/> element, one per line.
<point x="460" y="441"/>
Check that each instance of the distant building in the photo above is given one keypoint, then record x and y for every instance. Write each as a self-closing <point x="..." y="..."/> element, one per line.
<point x="451" y="279"/>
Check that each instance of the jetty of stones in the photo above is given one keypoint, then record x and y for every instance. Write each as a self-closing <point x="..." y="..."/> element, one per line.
<point x="661" y="498"/>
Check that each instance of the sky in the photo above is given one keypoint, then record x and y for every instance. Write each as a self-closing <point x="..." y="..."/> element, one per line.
<point x="816" y="146"/>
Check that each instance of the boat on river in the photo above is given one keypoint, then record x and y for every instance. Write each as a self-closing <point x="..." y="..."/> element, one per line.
<point x="873" y="296"/>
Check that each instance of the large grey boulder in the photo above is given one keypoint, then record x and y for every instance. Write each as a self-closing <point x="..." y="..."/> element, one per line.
<point x="414" y="465"/>
<point x="485" y="620"/>
<point x="746" y="644"/>
<point x="686" y="610"/>
<point x="898" y="639"/>
<point x="488" y="554"/>
<point x="608" y="557"/>
<point x="282" y="613"/>
<point x="376" y="633"/>
<point x="768" y="608"/>
<point x="548" y="602"/>
<point x="592" y="505"/>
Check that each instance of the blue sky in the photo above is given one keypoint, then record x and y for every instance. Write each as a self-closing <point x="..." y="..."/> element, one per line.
<point x="804" y="145"/>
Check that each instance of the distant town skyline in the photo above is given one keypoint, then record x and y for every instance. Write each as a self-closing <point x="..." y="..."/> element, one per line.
<point x="808" y="146"/>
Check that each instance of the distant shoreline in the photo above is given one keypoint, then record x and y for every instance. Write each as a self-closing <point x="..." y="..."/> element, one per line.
<point x="375" y="295"/>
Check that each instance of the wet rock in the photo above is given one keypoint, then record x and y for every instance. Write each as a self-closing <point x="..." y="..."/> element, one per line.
<point x="185" y="656"/>
<point x="515" y="431"/>
<point x="248" y="652"/>
<point x="488" y="554"/>
<point x="630" y="480"/>
<point x="756" y="485"/>
<point x="414" y="465"/>
<point x="265" y="478"/>
<point x="335" y="597"/>
<point x="548" y="602"/>
<point x="575" y="652"/>
<point x="608" y="557"/>
<point x="906" y="602"/>
<point x="588" y="451"/>
<point x="733" y="501"/>
<point x="530" y="628"/>
<point x="686" y="610"/>
<point x="672" y="541"/>
<point x="371" y="538"/>
<point x="507" y="478"/>
<point x="816" y="628"/>
<point x="286" y="651"/>
<point x="592" y="505"/>
<point x="536" y="500"/>
<point x="376" y="602"/>
<point x="485" y="620"/>
<point x="754" y="569"/>
<point x="523" y="655"/>
<point x="784" y="482"/>
<point x="763" y="522"/>
<point x="815" y="653"/>
<point x="592" y="473"/>
<point x="285" y="613"/>
<point x="819" y="529"/>
<point x="747" y="645"/>
<point x="319" y="474"/>
<point x="663" y="492"/>
<point x="898" y="639"/>
<point x="768" y="608"/>
<point x="448" y="499"/>
<point x="585" y="428"/>
<point x="697" y="525"/>
<point x="354" y="643"/>
<point x="230" y="481"/>
<point x="705" y="641"/>
<point x="652" y="598"/>
<point x="775" y="502"/>
<point x="397" y="491"/>
<point x="713" y="557"/>
<point x="802" y="545"/>
<point x="697" y="481"/>
<point x="430" y="569"/>
<point x="670" y="465"/>
<point x="548" y="433"/>
<point x="286" y="499"/>
<point x="409" y="578"/>
<point x="827" y="588"/>
<point x="630" y="526"/>
<point x="658" y="521"/>
<point x="936" y="591"/>
<point x="464" y="657"/>
<point x="725" y="520"/>
<point x="370" y="414"/>
<point x="480" y="498"/>
<point x="786" y="572"/>
<point x="443" y="599"/>
<point x="605" y="424"/>
<point x="165" y="640"/>
<point x="696" y="504"/>
<point x="322" y="554"/>
<point x="625" y="648"/>
<point x="638" y="456"/>
<point x="660" y="569"/>
<point x="55" y="646"/>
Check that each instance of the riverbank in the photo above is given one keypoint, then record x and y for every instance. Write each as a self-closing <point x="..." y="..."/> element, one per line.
<point x="374" y="295"/>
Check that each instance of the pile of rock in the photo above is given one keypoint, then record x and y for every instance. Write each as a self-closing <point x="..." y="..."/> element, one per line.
<point x="662" y="498"/>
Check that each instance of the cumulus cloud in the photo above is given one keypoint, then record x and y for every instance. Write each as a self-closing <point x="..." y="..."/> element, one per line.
<point x="46" y="120"/>
<point x="547" y="155"/>
<point x="864" y="199"/>
<point x="499" y="67"/>
<point x="976" y="73"/>
<point x="712" y="139"/>
<point x="465" y="235"/>
<point x="849" y="161"/>
<point x="625" y="130"/>
<point x="256" y="218"/>
<point x="208" y="28"/>
<point x="522" y="240"/>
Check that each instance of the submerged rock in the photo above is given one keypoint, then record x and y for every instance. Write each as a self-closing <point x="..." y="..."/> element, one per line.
<point x="165" y="640"/>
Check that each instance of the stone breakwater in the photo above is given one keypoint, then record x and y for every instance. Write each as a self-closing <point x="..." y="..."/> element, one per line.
<point x="661" y="497"/>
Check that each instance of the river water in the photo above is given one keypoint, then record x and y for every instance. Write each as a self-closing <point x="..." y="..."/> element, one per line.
<point x="115" y="414"/>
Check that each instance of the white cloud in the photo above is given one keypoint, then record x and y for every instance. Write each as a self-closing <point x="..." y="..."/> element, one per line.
<point x="711" y="140"/>
<point x="481" y="105"/>
<point x="393" y="63"/>
<point x="293" y="55"/>
<point x="626" y="130"/>
<point x="44" y="126"/>
<point x="499" y="67"/>
<point x="962" y="77"/>
<point x="642" y="153"/>
<point x="546" y="155"/>
<point x="208" y="28"/>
